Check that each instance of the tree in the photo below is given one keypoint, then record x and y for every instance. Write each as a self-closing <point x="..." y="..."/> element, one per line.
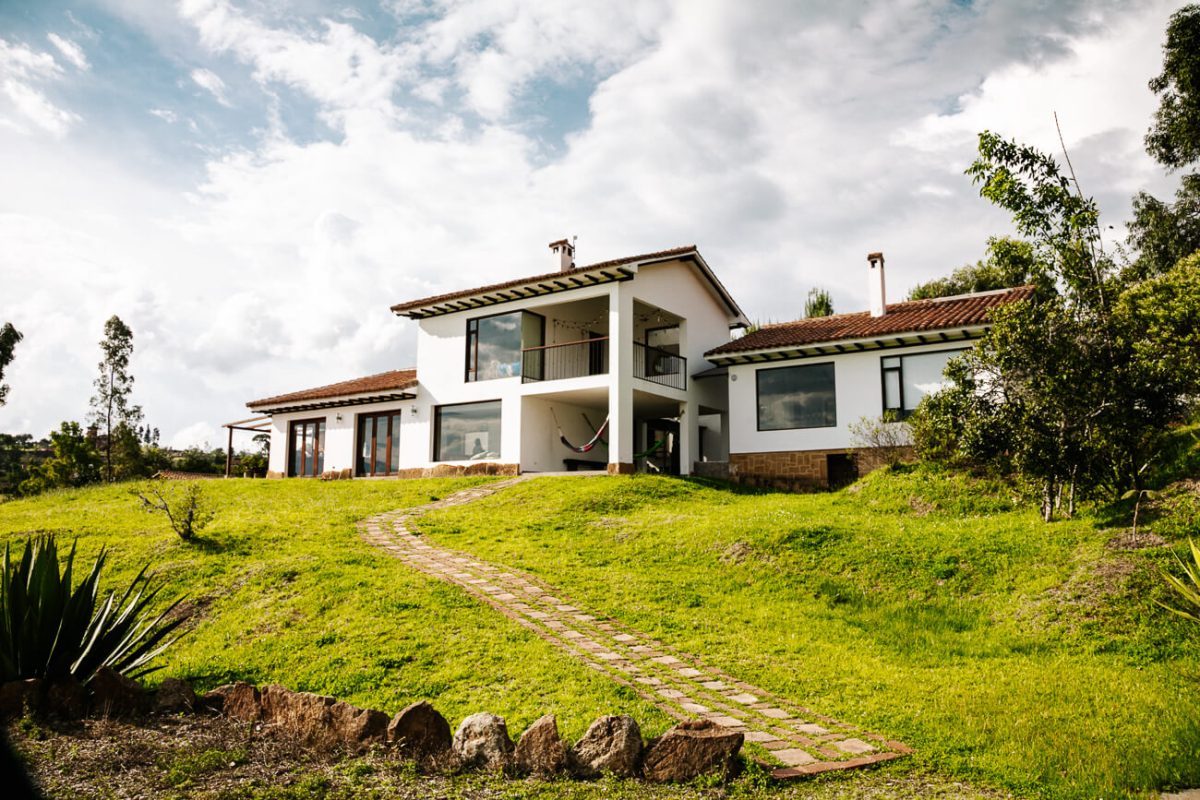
<point x="75" y="462"/>
<point x="819" y="303"/>
<point x="12" y="468"/>
<point x="1162" y="233"/>
<point x="1174" y="138"/>
<point x="9" y="336"/>
<point x="110" y="405"/>
<point x="1009" y="262"/>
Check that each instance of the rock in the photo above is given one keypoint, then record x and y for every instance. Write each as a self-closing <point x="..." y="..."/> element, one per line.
<point x="481" y="742"/>
<point x="174" y="695"/>
<point x="111" y="694"/>
<point x="611" y="744"/>
<point x="17" y="697"/>
<point x="540" y="750"/>
<point x="358" y="728"/>
<point x="420" y="732"/>
<point x="236" y="700"/>
<point x="65" y="698"/>
<point x="690" y="749"/>
<point x="320" y="721"/>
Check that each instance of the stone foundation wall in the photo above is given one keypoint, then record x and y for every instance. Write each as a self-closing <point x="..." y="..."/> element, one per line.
<point x="458" y="470"/>
<point x="797" y="470"/>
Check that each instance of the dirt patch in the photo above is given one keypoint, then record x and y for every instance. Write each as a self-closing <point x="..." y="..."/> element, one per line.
<point x="1128" y="540"/>
<point x="736" y="553"/>
<point x="920" y="506"/>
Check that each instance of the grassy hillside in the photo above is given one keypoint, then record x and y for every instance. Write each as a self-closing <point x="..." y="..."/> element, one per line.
<point x="1007" y="651"/>
<point x="1012" y="654"/>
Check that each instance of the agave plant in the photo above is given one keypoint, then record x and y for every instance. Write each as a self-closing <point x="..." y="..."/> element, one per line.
<point x="1188" y="590"/>
<point x="49" y="630"/>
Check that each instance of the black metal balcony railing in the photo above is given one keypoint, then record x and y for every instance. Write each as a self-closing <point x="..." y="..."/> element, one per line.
<point x="659" y="366"/>
<point x="554" y="362"/>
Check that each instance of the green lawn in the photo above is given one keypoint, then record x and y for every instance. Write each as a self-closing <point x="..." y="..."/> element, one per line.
<point x="1012" y="654"/>
<point x="1006" y="651"/>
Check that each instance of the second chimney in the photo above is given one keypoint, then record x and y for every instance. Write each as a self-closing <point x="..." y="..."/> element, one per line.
<point x="875" y="285"/>
<point x="564" y="254"/>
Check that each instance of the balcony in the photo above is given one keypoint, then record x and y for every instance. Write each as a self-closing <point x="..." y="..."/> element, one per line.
<point x="659" y="366"/>
<point x="555" y="362"/>
<point x="585" y="357"/>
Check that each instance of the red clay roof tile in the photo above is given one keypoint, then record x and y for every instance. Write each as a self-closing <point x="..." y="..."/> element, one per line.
<point x="912" y="316"/>
<point x="383" y="382"/>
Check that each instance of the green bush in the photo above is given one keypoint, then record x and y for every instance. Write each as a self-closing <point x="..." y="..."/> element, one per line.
<point x="49" y="630"/>
<point x="1186" y="588"/>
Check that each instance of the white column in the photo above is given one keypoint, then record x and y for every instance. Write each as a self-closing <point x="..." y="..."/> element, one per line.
<point x="620" y="378"/>
<point x="689" y="435"/>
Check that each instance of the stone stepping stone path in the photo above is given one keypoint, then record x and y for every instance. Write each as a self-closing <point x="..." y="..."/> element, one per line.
<point x="791" y="739"/>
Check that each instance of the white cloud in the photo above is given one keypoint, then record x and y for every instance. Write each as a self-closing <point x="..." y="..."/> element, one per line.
<point x="21" y="71"/>
<point x="198" y="434"/>
<point x="210" y="82"/>
<point x="70" y="51"/>
<point x="165" y="114"/>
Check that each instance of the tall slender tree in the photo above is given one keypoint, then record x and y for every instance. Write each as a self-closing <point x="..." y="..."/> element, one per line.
<point x="9" y="336"/>
<point x="111" y="406"/>
<point x="819" y="303"/>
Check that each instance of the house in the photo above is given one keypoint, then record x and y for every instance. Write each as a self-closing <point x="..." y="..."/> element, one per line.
<point x="625" y="365"/>
<point x="605" y="354"/>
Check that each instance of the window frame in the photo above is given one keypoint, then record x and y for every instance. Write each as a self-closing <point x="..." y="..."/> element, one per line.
<point x="437" y="429"/>
<point x="393" y="435"/>
<point x="901" y="413"/>
<point x="294" y="470"/>
<point x="471" y="361"/>
<point x="758" y="395"/>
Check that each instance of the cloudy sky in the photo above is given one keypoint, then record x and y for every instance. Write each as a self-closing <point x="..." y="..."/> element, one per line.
<point x="250" y="184"/>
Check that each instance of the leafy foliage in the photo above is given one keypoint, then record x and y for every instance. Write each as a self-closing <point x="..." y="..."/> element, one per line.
<point x="1160" y="234"/>
<point x="1009" y="262"/>
<point x="184" y="506"/>
<point x="111" y="407"/>
<point x="1174" y="139"/>
<point x="886" y="437"/>
<point x="1186" y="588"/>
<point x="819" y="303"/>
<point x="50" y="630"/>
<point x="75" y="462"/>
<point x="9" y="336"/>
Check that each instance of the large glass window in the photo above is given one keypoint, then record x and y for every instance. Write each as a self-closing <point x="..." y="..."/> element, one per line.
<point x="379" y="443"/>
<point x="796" y="397"/>
<point x="906" y="379"/>
<point x="469" y="431"/>
<point x="494" y="344"/>
<point x="306" y="448"/>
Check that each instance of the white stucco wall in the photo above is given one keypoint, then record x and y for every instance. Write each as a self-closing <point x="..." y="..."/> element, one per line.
<point x="859" y="393"/>
<point x="339" y="436"/>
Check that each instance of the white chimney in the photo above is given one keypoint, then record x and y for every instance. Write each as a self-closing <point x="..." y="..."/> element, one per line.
<point x="875" y="286"/>
<point x="564" y="254"/>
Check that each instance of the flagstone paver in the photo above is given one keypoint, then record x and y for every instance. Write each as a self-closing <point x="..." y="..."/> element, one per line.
<point x="791" y="738"/>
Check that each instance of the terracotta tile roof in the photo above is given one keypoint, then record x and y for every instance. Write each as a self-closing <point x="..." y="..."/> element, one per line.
<point x="394" y="380"/>
<point x="616" y="262"/>
<point x="913" y="316"/>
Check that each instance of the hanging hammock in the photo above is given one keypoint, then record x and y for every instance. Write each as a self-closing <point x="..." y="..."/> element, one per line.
<point x="583" y="448"/>
<point x="651" y="450"/>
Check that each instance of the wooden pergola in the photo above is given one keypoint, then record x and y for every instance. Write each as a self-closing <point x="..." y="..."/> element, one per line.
<point x="255" y="424"/>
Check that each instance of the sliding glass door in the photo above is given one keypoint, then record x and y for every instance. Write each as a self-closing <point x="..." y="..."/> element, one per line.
<point x="306" y="448"/>
<point x="379" y="444"/>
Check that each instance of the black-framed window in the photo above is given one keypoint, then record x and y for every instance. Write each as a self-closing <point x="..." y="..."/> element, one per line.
<point x="466" y="431"/>
<point x="908" y="378"/>
<point x="378" y="443"/>
<point x="494" y="343"/>
<point x="803" y="396"/>
<point x="306" y="448"/>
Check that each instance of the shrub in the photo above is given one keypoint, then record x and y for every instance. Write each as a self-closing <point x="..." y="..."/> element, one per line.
<point x="184" y="506"/>
<point x="49" y="630"/>
<point x="1188" y="590"/>
<point x="886" y="437"/>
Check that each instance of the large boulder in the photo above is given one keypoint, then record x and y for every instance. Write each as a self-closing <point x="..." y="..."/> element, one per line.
<point x="611" y="744"/>
<point x="174" y="696"/>
<point x="236" y="700"/>
<point x="481" y="742"/>
<point x="321" y="721"/>
<point x="64" y="698"/>
<point x="111" y="694"/>
<point x="690" y="749"/>
<point x="540" y="750"/>
<point x="420" y="732"/>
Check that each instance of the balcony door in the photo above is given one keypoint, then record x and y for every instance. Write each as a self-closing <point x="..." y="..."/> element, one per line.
<point x="306" y="448"/>
<point x="378" y="444"/>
